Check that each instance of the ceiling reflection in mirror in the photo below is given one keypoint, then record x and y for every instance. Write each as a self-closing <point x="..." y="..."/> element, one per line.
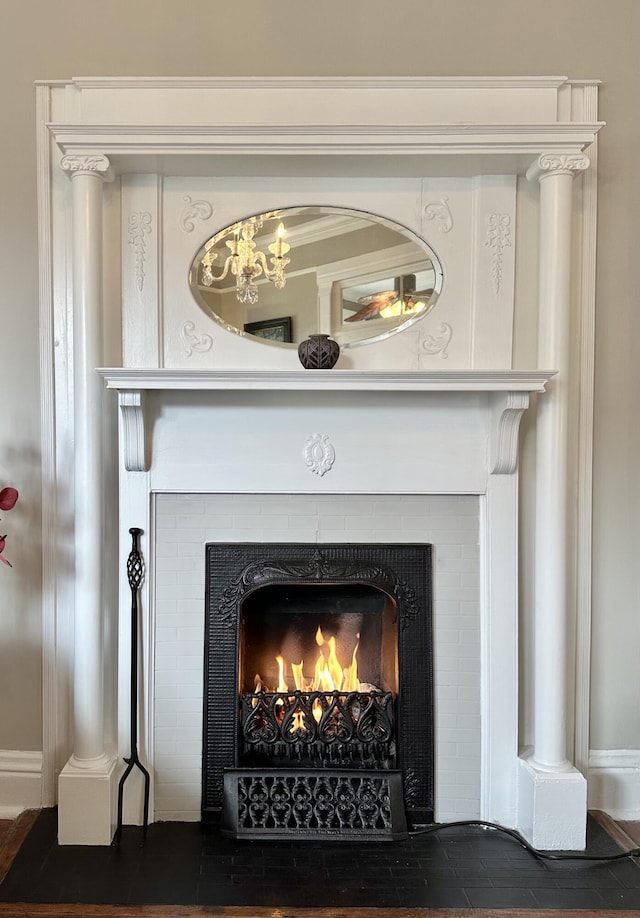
<point x="284" y="275"/>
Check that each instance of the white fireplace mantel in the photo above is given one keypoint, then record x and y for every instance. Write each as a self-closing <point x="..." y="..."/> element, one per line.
<point x="509" y="396"/>
<point x="232" y="417"/>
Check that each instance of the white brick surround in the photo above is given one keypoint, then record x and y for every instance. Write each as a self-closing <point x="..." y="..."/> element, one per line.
<point x="184" y="522"/>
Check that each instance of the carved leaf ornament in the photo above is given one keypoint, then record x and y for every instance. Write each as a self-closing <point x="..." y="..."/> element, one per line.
<point x="139" y="228"/>
<point x="498" y="238"/>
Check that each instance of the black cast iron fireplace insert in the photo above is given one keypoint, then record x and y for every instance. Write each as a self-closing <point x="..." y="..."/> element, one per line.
<point x="318" y="702"/>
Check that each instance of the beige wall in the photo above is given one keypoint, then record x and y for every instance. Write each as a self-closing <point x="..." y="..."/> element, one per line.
<point x="577" y="38"/>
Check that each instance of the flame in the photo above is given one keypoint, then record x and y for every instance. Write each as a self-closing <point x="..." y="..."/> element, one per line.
<point x="298" y="675"/>
<point x="328" y="673"/>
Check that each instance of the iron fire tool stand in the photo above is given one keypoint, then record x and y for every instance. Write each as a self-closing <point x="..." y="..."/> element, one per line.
<point x="135" y="575"/>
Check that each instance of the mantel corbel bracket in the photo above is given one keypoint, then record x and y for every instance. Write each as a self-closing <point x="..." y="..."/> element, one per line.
<point x="507" y="410"/>
<point x="133" y="430"/>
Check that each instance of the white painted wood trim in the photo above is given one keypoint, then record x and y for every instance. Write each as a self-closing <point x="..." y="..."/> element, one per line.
<point x="21" y="782"/>
<point x="16" y="761"/>
<point x="270" y="83"/>
<point x="324" y="139"/>
<point x="508" y="410"/>
<point x="614" y="782"/>
<point x="134" y="435"/>
<point x="499" y="649"/>
<point x="329" y="380"/>
<point x="615" y="759"/>
<point x="48" y="455"/>
<point x="141" y="262"/>
<point x="372" y="266"/>
<point x="508" y="390"/>
<point x="584" y="519"/>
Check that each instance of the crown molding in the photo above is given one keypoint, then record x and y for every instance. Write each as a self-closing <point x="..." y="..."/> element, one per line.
<point x="305" y="140"/>
<point x="350" y="82"/>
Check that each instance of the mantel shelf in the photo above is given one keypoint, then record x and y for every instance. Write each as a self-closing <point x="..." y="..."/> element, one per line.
<point x="508" y="389"/>
<point x="124" y="379"/>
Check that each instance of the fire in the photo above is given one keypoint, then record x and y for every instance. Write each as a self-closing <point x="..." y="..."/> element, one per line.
<point x="328" y="673"/>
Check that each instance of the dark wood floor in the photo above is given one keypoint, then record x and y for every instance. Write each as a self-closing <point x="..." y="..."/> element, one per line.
<point x="13" y="833"/>
<point x="30" y="910"/>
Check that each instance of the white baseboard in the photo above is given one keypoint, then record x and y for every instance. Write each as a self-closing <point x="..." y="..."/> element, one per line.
<point x="614" y="782"/>
<point x="20" y="782"/>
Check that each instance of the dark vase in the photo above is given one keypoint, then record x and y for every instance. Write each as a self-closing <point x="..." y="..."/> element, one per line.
<point x="318" y="352"/>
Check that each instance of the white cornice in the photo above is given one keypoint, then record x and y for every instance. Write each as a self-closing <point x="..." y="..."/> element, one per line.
<point x="190" y="142"/>
<point x="350" y="82"/>
<point x="126" y="380"/>
<point x="567" y="131"/>
<point x="379" y="117"/>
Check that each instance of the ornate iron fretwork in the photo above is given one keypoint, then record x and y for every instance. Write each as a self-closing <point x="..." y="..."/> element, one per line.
<point x="318" y="569"/>
<point x="314" y="804"/>
<point x="237" y="571"/>
<point x="322" y="728"/>
<point x="411" y="786"/>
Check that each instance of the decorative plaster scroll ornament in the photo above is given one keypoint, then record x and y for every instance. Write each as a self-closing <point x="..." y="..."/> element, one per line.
<point x="201" y="210"/>
<point x="440" y="210"/>
<point x="438" y="344"/>
<point x="94" y="164"/>
<point x="193" y="342"/>
<point x="319" y="454"/>
<point x="139" y="227"/>
<point x="498" y="233"/>
<point x="553" y="163"/>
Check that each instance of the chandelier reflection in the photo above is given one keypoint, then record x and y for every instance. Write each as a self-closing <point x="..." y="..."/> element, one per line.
<point x="246" y="263"/>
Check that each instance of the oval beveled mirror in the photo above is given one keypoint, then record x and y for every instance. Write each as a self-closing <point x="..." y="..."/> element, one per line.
<point x="284" y="275"/>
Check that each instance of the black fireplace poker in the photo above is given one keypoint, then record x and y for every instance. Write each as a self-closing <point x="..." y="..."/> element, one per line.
<point x="135" y="576"/>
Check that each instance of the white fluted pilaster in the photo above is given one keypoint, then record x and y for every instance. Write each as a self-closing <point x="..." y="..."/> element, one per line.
<point x="85" y="781"/>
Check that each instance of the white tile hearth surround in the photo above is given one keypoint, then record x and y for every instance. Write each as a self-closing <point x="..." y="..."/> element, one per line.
<point x="184" y="522"/>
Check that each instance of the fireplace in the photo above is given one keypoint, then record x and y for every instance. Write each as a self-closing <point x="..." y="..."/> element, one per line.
<point x="318" y="713"/>
<point x="428" y="414"/>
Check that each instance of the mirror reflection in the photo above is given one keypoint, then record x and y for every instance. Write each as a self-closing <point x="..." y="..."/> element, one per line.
<point x="283" y="275"/>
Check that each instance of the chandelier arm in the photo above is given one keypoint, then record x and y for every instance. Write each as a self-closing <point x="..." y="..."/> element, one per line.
<point x="260" y="263"/>
<point x="228" y="264"/>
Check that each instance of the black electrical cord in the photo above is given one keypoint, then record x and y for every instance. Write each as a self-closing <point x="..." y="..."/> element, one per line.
<point x="544" y="855"/>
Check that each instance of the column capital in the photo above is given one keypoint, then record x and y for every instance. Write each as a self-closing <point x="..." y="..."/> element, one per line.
<point x="87" y="164"/>
<point x="557" y="164"/>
